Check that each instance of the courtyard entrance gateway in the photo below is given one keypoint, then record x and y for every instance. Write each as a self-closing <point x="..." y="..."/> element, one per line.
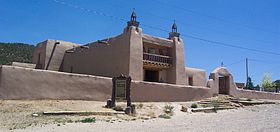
<point x="223" y="85"/>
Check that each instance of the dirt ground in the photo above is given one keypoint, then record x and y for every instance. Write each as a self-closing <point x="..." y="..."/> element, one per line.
<point x="17" y="116"/>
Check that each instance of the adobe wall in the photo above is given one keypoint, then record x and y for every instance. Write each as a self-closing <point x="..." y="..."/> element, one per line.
<point x="122" y="54"/>
<point x="58" y="54"/>
<point x="255" y="94"/>
<point x="198" y="76"/>
<point x="175" y="75"/>
<point x="45" y="49"/>
<point x="213" y="83"/>
<point x="40" y="51"/>
<point x="135" y="52"/>
<point x="26" y="83"/>
<point x="155" y="92"/>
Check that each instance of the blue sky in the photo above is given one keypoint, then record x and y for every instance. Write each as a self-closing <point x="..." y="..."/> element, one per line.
<point x="253" y="24"/>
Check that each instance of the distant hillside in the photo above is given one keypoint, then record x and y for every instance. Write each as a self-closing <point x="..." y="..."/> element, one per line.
<point x="19" y="52"/>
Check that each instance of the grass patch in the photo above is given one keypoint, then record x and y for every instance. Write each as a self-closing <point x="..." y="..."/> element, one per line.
<point x="194" y="105"/>
<point x="165" y="116"/>
<point x="88" y="120"/>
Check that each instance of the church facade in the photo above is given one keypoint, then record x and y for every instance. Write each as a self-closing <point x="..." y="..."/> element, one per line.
<point x="132" y="53"/>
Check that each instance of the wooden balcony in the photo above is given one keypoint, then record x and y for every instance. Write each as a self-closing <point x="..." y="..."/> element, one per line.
<point x="156" y="61"/>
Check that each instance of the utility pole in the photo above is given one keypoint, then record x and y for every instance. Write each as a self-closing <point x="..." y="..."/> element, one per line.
<point x="247" y="76"/>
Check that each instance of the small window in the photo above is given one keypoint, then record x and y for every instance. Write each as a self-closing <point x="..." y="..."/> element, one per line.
<point x="191" y="81"/>
<point x="144" y="50"/>
<point x="162" y="52"/>
<point x="152" y="51"/>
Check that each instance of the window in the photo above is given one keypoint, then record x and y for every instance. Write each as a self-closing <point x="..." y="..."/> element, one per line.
<point x="152" y="51"/>
<point x="191" y="81"/>
<point x="144" y="50"/>
<point x="161" y="52"/>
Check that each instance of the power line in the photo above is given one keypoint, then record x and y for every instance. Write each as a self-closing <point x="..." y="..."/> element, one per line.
<point x="89" y="10"/>
<point x="156" y="28"/>
<point x="193" y="25"/>
<point x="231" y="45"/>
<point x="237" y="62"/>
<point x="265" y="61"/>
<point x="217" y="18"/>
<point x="200" y="27"/>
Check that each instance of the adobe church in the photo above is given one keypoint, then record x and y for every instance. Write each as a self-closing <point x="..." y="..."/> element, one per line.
<point x="141" y="56"/>
<point x="65" y="70"/>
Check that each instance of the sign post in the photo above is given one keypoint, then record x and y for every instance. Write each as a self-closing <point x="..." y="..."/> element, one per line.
<point x="120" y="90"/>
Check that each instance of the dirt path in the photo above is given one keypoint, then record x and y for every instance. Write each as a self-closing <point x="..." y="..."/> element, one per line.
<point x="257" y="118"/>
<point x="253" y="118"/>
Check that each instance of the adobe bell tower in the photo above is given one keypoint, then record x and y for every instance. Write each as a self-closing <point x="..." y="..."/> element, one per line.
<point x="174" y="32"/>
<point x="177" y="71"/>
<point x="133" y="21"/>
<point x="132" y="38"/>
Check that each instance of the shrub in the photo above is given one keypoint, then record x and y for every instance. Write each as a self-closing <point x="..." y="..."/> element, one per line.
<point x="139" y="106"/>
<point x="89" y="120"/>
<point x="194" y="105"/>
<point x="168" y="109"/>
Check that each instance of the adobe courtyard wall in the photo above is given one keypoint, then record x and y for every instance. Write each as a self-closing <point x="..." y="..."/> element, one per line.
<point x="155" y="92"/>
<point x="26" y="83"/>
<point x="213" y="83"/>
<point x="241" y="93"/>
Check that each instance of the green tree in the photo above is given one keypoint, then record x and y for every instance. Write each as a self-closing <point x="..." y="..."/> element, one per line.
<point x="267" y="83"/>
<point x="277" y="85"/>
<point x="15" y="52"/>
<point x="250" y="84"/>
<point x="257" y="87"/>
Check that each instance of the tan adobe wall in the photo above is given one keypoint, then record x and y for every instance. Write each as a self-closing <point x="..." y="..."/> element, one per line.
<point x="255" y="94"/>
<point x="45" y="49"/>
<point x="175" y="75"/>
<point x="25" y="83"/>
<point x="40" y="50"/>
<point x="213" y="83"/>
<point x="154" y="92"/>
<point x="117" y="57"/>
<point x="99" y="59"/>
<point x="135" y="52"/>
<point x="198" y="76"/>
